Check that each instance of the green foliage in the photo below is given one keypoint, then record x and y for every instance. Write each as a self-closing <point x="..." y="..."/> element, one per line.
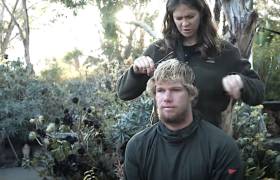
<point x="253" y="173"/>
<point x="133" y="121"/>
<point x="266" y="63"/>
<point x="20" y="99"/>
<point x="259" y="160"/>
<point x="60" y="149"/>
<point x="111" y="44"/>
<point x="72" y="4"/>
<point x="74" y="144"/>
<point x="72" y="58"/>
<point x="266" y="48"/>
<point x="248" y="121"/>
<point x="117" y="122"/>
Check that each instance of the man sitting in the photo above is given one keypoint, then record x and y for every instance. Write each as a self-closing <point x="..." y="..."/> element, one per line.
<point x="181" y="146"/>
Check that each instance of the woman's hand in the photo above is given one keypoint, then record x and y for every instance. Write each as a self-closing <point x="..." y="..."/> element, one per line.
<point x="232" y="85"/>
<point x="143" y="65"/>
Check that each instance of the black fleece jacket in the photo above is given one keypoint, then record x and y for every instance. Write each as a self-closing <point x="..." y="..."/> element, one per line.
<point x="200" y="151"/>
<point x="212" y="99"/>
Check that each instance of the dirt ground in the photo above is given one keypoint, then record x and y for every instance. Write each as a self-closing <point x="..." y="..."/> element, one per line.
<point x="18" y="173"/>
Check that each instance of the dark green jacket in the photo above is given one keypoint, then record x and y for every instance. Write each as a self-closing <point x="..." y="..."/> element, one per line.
<point x="212" y="99"/>
<point x="200" y="151"/>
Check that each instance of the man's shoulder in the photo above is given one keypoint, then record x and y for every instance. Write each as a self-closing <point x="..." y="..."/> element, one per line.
<point x="144" y="135"/>
<point x="215" y="134"/>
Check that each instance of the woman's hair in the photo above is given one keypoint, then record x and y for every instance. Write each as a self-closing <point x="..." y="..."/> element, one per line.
<point x="207" y="40"/>
<point x="172" y="71"/>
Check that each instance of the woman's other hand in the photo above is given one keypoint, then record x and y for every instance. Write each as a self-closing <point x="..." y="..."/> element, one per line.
<point x="143" y="65"/>
<point x="232" y="85"/>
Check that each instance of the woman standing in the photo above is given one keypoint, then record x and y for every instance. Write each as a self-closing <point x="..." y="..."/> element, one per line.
<point x="190" y="36"/>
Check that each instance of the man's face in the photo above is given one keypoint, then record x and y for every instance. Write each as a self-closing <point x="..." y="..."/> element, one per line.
<point x="173" y="102"/>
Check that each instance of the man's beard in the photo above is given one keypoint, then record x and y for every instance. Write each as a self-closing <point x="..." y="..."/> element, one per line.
<point x="177" y="118"/>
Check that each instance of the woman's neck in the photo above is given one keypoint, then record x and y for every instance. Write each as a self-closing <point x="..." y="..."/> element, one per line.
<point x="189" y="41"/>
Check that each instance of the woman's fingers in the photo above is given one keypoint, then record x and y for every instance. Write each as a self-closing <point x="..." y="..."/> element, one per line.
<point x="233" y="84"/>
<point x="143" y="65"/>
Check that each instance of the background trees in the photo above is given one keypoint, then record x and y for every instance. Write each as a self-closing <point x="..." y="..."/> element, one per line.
<point x="266" y="52"/>
<point x="91" y="76"/>
<point x="18" y="13"/>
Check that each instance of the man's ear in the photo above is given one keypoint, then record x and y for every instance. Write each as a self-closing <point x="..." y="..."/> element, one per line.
<point x="191" y="97"/>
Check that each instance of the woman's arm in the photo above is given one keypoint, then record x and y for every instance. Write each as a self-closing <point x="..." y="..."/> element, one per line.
<point x="131" y="85"/>
<point x="253" y="92"/>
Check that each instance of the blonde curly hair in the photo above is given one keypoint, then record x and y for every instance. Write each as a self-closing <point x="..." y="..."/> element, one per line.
<point x="172" y="71"/>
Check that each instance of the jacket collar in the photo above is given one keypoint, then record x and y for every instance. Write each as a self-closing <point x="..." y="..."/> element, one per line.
<point x="178" y="51"/>
<point x="178" y="137"/>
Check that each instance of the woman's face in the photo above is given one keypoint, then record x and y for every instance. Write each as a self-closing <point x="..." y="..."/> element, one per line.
<point x="187" y="21"/>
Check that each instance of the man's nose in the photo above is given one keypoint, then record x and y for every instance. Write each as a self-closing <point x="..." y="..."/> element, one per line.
<point x="167" y="96"/>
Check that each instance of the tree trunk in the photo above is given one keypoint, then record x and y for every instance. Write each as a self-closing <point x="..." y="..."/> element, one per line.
<point x="241" y="21"/>
<point x="1" y="31"/>
<point x="7" y="39"/>
<point x="26" y="39"/>
<point x="128" y="47"/>
<point x="217" y="11"/>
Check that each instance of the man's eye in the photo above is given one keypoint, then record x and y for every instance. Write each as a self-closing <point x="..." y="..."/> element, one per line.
<point x="159" y="90"/>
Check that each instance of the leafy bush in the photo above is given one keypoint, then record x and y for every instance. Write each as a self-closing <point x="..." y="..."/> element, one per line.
<point x="98" y="124"/>
<point x="259" y="160"/>
<point x="73" y="145"/>
<point x="20" y="98"/>
<point x="135" y="119"/>
<point x="92" y="131"/>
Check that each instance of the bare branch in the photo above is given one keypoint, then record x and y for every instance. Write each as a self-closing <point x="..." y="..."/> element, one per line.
<point x="10" y="27"/>
<point x="12" y="16"/>
<point x="13" y="37"/>
<point x="144" y="26"/>
<point x="33" y="5"/>
<point x="217" y="11"/>
<point x="9" y="32"/>
<point x="1" y="23"/>
<point x="15" y="6"/>
<point x="99" y="32"/>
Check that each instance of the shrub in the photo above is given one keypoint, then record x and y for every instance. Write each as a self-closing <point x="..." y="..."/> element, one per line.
<point x="20" y="99"/>
<point x="259" y="160"/>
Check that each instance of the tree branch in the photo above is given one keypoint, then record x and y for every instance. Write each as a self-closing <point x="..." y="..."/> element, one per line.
<point x="26" y="21"/>
<point x="13" y="37"/>
<point x="33" y="5"/>
<point x="217" y="11"/>
<point x="14" y="9"/>
<point x="143" y="25"/>
<point x="1" y="23"/>
<point x="12" y="16"/>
